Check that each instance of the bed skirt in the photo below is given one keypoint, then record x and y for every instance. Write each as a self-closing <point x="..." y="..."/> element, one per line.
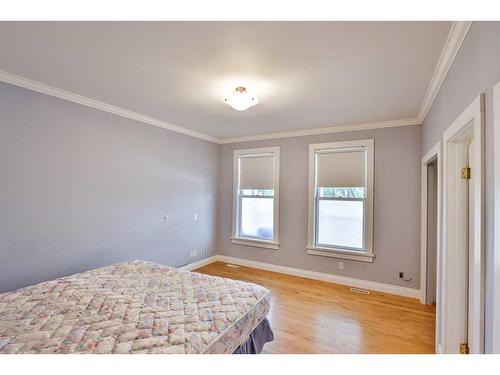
<point x="257" y="338"/>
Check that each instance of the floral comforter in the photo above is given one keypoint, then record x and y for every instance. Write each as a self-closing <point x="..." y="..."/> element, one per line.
<point x="133" y="307"/>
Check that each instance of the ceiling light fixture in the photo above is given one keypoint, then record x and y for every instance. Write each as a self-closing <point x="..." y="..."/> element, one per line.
<point x="240" y="99"/>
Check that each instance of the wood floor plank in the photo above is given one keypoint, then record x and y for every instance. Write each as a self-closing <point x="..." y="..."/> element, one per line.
<point x="310" y="316"/>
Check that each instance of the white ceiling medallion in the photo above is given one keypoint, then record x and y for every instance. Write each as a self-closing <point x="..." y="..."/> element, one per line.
<point x="240" y="99"/>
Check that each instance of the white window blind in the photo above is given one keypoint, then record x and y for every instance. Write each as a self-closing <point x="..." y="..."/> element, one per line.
<point x="342" y="168"/>
<point x="257" y="172"/>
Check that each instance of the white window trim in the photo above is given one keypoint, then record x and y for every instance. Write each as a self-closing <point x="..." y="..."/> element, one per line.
<point x="312" y="249"/>
<point x="235" y="239"/>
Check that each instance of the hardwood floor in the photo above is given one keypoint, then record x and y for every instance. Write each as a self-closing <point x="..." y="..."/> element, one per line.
<point x="309" y="316"/>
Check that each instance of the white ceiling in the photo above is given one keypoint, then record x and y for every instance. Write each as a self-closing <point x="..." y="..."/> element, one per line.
<point x="306" y="74"/>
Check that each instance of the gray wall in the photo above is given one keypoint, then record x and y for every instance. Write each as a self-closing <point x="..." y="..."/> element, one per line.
<point x="396" y="206"/>
<point x="81" y="188"/>
<point x="476" y="69"/>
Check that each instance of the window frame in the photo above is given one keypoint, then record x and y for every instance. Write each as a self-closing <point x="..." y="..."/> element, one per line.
<point x="315" y="248"/>
<point x="236" y="237"/>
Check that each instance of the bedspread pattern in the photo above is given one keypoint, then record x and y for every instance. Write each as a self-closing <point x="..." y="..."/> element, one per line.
<point x="133" y="307"/>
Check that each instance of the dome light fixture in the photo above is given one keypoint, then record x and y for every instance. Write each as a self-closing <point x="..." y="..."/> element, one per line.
<point x="240" y="99"/>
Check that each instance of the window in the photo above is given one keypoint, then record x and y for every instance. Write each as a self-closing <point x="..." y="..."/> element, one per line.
<point x="341" y="200"/>
<point x="255" y="208"/>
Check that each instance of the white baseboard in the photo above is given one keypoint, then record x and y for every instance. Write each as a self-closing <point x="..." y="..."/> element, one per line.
<point x="342" y="280"/>
<point x="199" y="263"/>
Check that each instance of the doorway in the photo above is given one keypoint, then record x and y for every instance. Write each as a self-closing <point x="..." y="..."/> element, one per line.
<point x="430" y="283"/>
<point x="432" y="230"/>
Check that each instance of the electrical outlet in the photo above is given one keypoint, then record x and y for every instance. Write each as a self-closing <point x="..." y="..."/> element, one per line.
<point x="206" y="251"/>
<point x="165" y="218"/>
<point x="401" y="275"/>
<point x="341" y="265"/>
<point x="195" y="216"/>
<point x="195" y="252"/>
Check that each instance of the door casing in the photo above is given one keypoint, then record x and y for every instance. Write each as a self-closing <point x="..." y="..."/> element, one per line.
<point x="495" y="293"/>
<point x="434" y="154"/>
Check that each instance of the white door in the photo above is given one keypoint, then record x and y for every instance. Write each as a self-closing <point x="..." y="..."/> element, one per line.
<point x="458" y="250"/>
<point x="462" y="292"/>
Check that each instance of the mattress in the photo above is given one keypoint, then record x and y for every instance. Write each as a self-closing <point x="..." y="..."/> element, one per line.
<point x="133" y="307"/>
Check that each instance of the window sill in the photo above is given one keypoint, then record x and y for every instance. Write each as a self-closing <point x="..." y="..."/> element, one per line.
<point x="255" y="243"/>
<point x="337" y="253"/>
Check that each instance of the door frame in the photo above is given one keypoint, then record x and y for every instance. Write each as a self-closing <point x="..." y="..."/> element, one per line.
<point x="434" y="154"/>
<point x="470" y="121"/>
<point x="496" y="236"/>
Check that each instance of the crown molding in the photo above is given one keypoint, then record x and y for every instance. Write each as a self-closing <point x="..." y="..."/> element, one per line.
<point x="453" y="43"/>
<point x="96" y="104"/>
<point x="326" y="130"/>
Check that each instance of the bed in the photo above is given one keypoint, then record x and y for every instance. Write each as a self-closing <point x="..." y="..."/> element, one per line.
<point x="136" y="307"/>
